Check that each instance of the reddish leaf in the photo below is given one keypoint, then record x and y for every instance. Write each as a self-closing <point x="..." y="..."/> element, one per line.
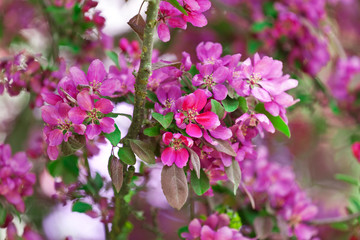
<point x="138" y="24"/>
<point x="116" y="173"/>
<point x="174" y="186"/>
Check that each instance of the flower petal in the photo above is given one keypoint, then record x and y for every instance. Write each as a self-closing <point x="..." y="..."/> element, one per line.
<point x="92" y="131"/>
<point x="193" y="130"/>
<point x="96" y="72"/>
<point x="208" y="120"/>
<point x="107" y="124"/>
<point x="182" y="157"/>
<point x="105" y="106"/>
<point x="77" y="115"/>
<point x="78" y="76"/>
<point x="167" y="137"/>
<point x="84" y="100"/>
<point x="56" y="136"/>
<point x="168" y="156"/>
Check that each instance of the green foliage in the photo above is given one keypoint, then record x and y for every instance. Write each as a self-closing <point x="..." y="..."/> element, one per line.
<point x="81" y="207"/>
<point x="176" y="4"/>
<point x="114" y="137"/>
<point x="346" y="178"/>
<point x="243" y="104"/>
<point x="114" y="57"/>
<point x="165" y="121"/>
<point x="253" y="46"/>
<point x="65" y="167"/>
<point x="127" y="156"/>
<point x="230" y="104"/>
<point x="200" y="185"/>
<point x="217" y="108"/>
<point x="278" y="122"/>
<point x="152" y="131"/>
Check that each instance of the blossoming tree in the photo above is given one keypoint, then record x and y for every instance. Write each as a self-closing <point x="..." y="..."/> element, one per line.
<point x="208" y="121"/>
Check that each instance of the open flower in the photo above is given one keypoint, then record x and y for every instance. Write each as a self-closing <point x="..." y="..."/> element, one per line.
<point x="213" y="79"/>
<point x="176" y="152"/>
<point x="94" y="113"/>
<point x="59" y="126"/>
<point x="190" y="117"/>
<point x="168" y="15"/>
<point x="263" y="79"/>
<point x="96" y="79"/>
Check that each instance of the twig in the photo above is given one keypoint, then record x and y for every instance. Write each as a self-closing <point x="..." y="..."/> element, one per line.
<point x="331" y="220"/>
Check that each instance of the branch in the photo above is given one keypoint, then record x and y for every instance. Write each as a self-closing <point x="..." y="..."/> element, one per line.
<point x="334" y="219"/>
<point x="144" y="70"/>
<point x="121" y="207"/>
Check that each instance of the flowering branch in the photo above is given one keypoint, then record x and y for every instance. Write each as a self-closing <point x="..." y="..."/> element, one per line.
<point x="144" y="70"/>
<point x="121" y="208"/>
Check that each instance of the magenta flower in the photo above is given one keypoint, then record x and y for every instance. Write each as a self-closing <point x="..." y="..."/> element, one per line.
<point x="213" y="79"/>
<point x="250" y="125"/>
<point x="263" y="79"/>
<point x="167" y="95"/>
<point x="209" y="52"/>
<point x="15" y="177"/>
<point x="190" y="117"/>
<point x="96" y="79"/>
<point x="94" y="113"/>
<point x="168" y="16"/>
<point x="177" y="152"/>
<point x="59" y="128"/>
<point x="195" y="9"/>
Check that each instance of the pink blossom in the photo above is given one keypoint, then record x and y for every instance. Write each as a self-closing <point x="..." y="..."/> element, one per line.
<point x="96" y="79"/>
<point x="177" y="152"/>
<point x="190" y="117"/>
<point x="213" y="79"/>
<point x="94" y="113"/>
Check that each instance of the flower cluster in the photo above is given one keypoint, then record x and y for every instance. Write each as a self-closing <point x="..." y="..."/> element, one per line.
<point x="170" y="16"/>
<point x="202" y="113"/>
<point x="215" y="227"/>
<point x="78" y="108"/>
<point x="274" y="185"/>
<point x="16" y="179"/>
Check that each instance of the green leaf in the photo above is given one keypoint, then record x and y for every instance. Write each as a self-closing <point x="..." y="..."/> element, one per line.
<point x="114" y="57"/>
<point x="165" y="121"/>
<point x="81" y="207"/>
<point x="217" y="108"/>
<point x="143" y="151"/>
<point x="278" y="122"/>
<point x="193" y="70"/>
<point x="114" y="137"/>
<point x="340" y="226"/>
<point x="347" y="178"/>
<point x="233" y="173"/>
<point x="269" y="9"/>
<point x="152" y="96"/>
<point x="2" y="215"/>
<point x="152" y="131"/>
<point x="243" y="104"/>
<point x="260" y="26"/>
<point x="65" y="167"/>
<point x="230" y="104"/>
<point x="127" y="156"/>
<point x="98" y="181"/>
<point x="200" y="185"/>
<point x="334" y="107"/>
<point x="115" y="115"/>
<point x="115" y="168"/>
<point x="253" y="46"/>
<point x="176" y="4"/>
<point x="181" y="230"/>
